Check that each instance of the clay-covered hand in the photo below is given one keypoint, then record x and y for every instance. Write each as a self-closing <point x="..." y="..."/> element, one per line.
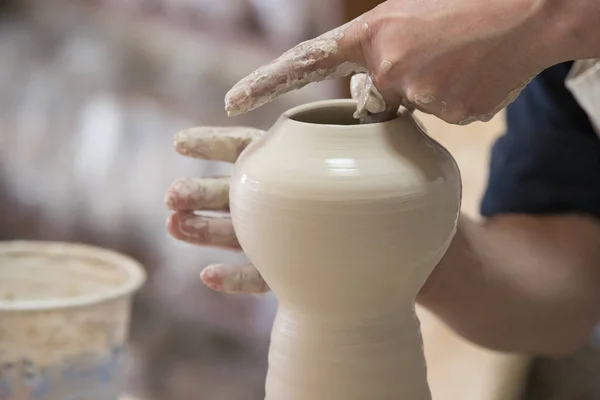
<point x="187" y="196"/>
<point x="461" y="60"/>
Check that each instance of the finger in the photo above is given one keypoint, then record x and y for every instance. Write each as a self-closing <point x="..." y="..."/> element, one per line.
<point x="230" y="278"/>
<point x="357" y="85"/>
<point x="371" y="106"/>
<point x="202" y="230"/>
<point x="215" y="143"/>
<point x="366" y="94"/>
<point x="198" y="194"/>
<point x="332" y="55"/>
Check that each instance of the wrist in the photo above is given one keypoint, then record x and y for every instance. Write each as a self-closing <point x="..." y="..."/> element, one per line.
<point x="565" y="30"/>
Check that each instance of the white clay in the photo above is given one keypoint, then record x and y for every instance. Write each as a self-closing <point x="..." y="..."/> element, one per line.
<point x="308" y="62"/>
<point x="345" y="222"/>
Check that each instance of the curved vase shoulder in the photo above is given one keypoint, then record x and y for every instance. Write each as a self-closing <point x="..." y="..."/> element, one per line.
<point x="366" y="160"/>
<point x="345" y="222"/>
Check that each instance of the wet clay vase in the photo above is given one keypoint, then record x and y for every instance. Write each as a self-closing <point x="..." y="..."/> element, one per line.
<point x="345" y="222"/>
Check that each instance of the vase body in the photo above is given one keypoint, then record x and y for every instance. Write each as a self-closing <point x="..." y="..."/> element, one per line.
<point x="345" y="222"/>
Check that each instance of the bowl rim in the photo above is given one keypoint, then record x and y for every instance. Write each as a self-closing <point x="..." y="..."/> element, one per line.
<point x="136" y="275"/>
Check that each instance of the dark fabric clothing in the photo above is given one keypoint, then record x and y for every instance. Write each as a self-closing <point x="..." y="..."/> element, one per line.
<point x="548" y="161"/>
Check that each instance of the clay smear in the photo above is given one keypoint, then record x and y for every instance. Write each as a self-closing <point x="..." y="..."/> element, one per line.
<point x="201" y="230"/>
<point x="311" y="61"/>
<point x="199" y="194"/>
<point x="215" y="143"/>
<point x="228" y="278"/>
<point x="368" y="97"/>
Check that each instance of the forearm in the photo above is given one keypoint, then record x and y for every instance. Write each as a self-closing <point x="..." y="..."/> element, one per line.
<point x="518" y="284"/>
<point x="566" y="30"/>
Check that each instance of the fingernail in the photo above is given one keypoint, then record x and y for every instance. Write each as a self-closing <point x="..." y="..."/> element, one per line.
<point x="211" y="279"/>
<point x="186" y="145"/>
<point x="180" y="139"/>
<point x="239" y="101"/>
<point x="176" y="193"/>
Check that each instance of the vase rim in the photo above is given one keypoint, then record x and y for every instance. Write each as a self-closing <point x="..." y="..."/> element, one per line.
<point x="340" y="115"/>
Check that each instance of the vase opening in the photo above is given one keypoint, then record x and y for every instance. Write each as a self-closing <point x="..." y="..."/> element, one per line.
<point x="325" y="113"/>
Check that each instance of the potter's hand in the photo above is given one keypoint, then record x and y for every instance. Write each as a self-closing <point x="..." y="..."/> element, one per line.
<point x="462" y="60"/>
<point x="211" y="194"/>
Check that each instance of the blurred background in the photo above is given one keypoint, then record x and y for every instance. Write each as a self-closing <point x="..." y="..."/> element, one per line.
<point x="91" y="94"/>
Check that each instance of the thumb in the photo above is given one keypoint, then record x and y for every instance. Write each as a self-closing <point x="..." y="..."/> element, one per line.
<point x="335" y="54"/>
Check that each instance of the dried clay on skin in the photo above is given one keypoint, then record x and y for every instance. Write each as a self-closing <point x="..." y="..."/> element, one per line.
<point x="228" y="278"/>
<point x="199" y="194"/>
<point x="201" y="230"/>
<point x="293" y="70"/>
<point x="369" y="99"/>
<point x="217" y="144"/>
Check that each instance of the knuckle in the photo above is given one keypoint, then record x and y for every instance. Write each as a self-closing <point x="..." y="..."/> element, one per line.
<point x="381" y="80"/>
<point x="419" y="97"/>
<point x="389" y="71"/>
